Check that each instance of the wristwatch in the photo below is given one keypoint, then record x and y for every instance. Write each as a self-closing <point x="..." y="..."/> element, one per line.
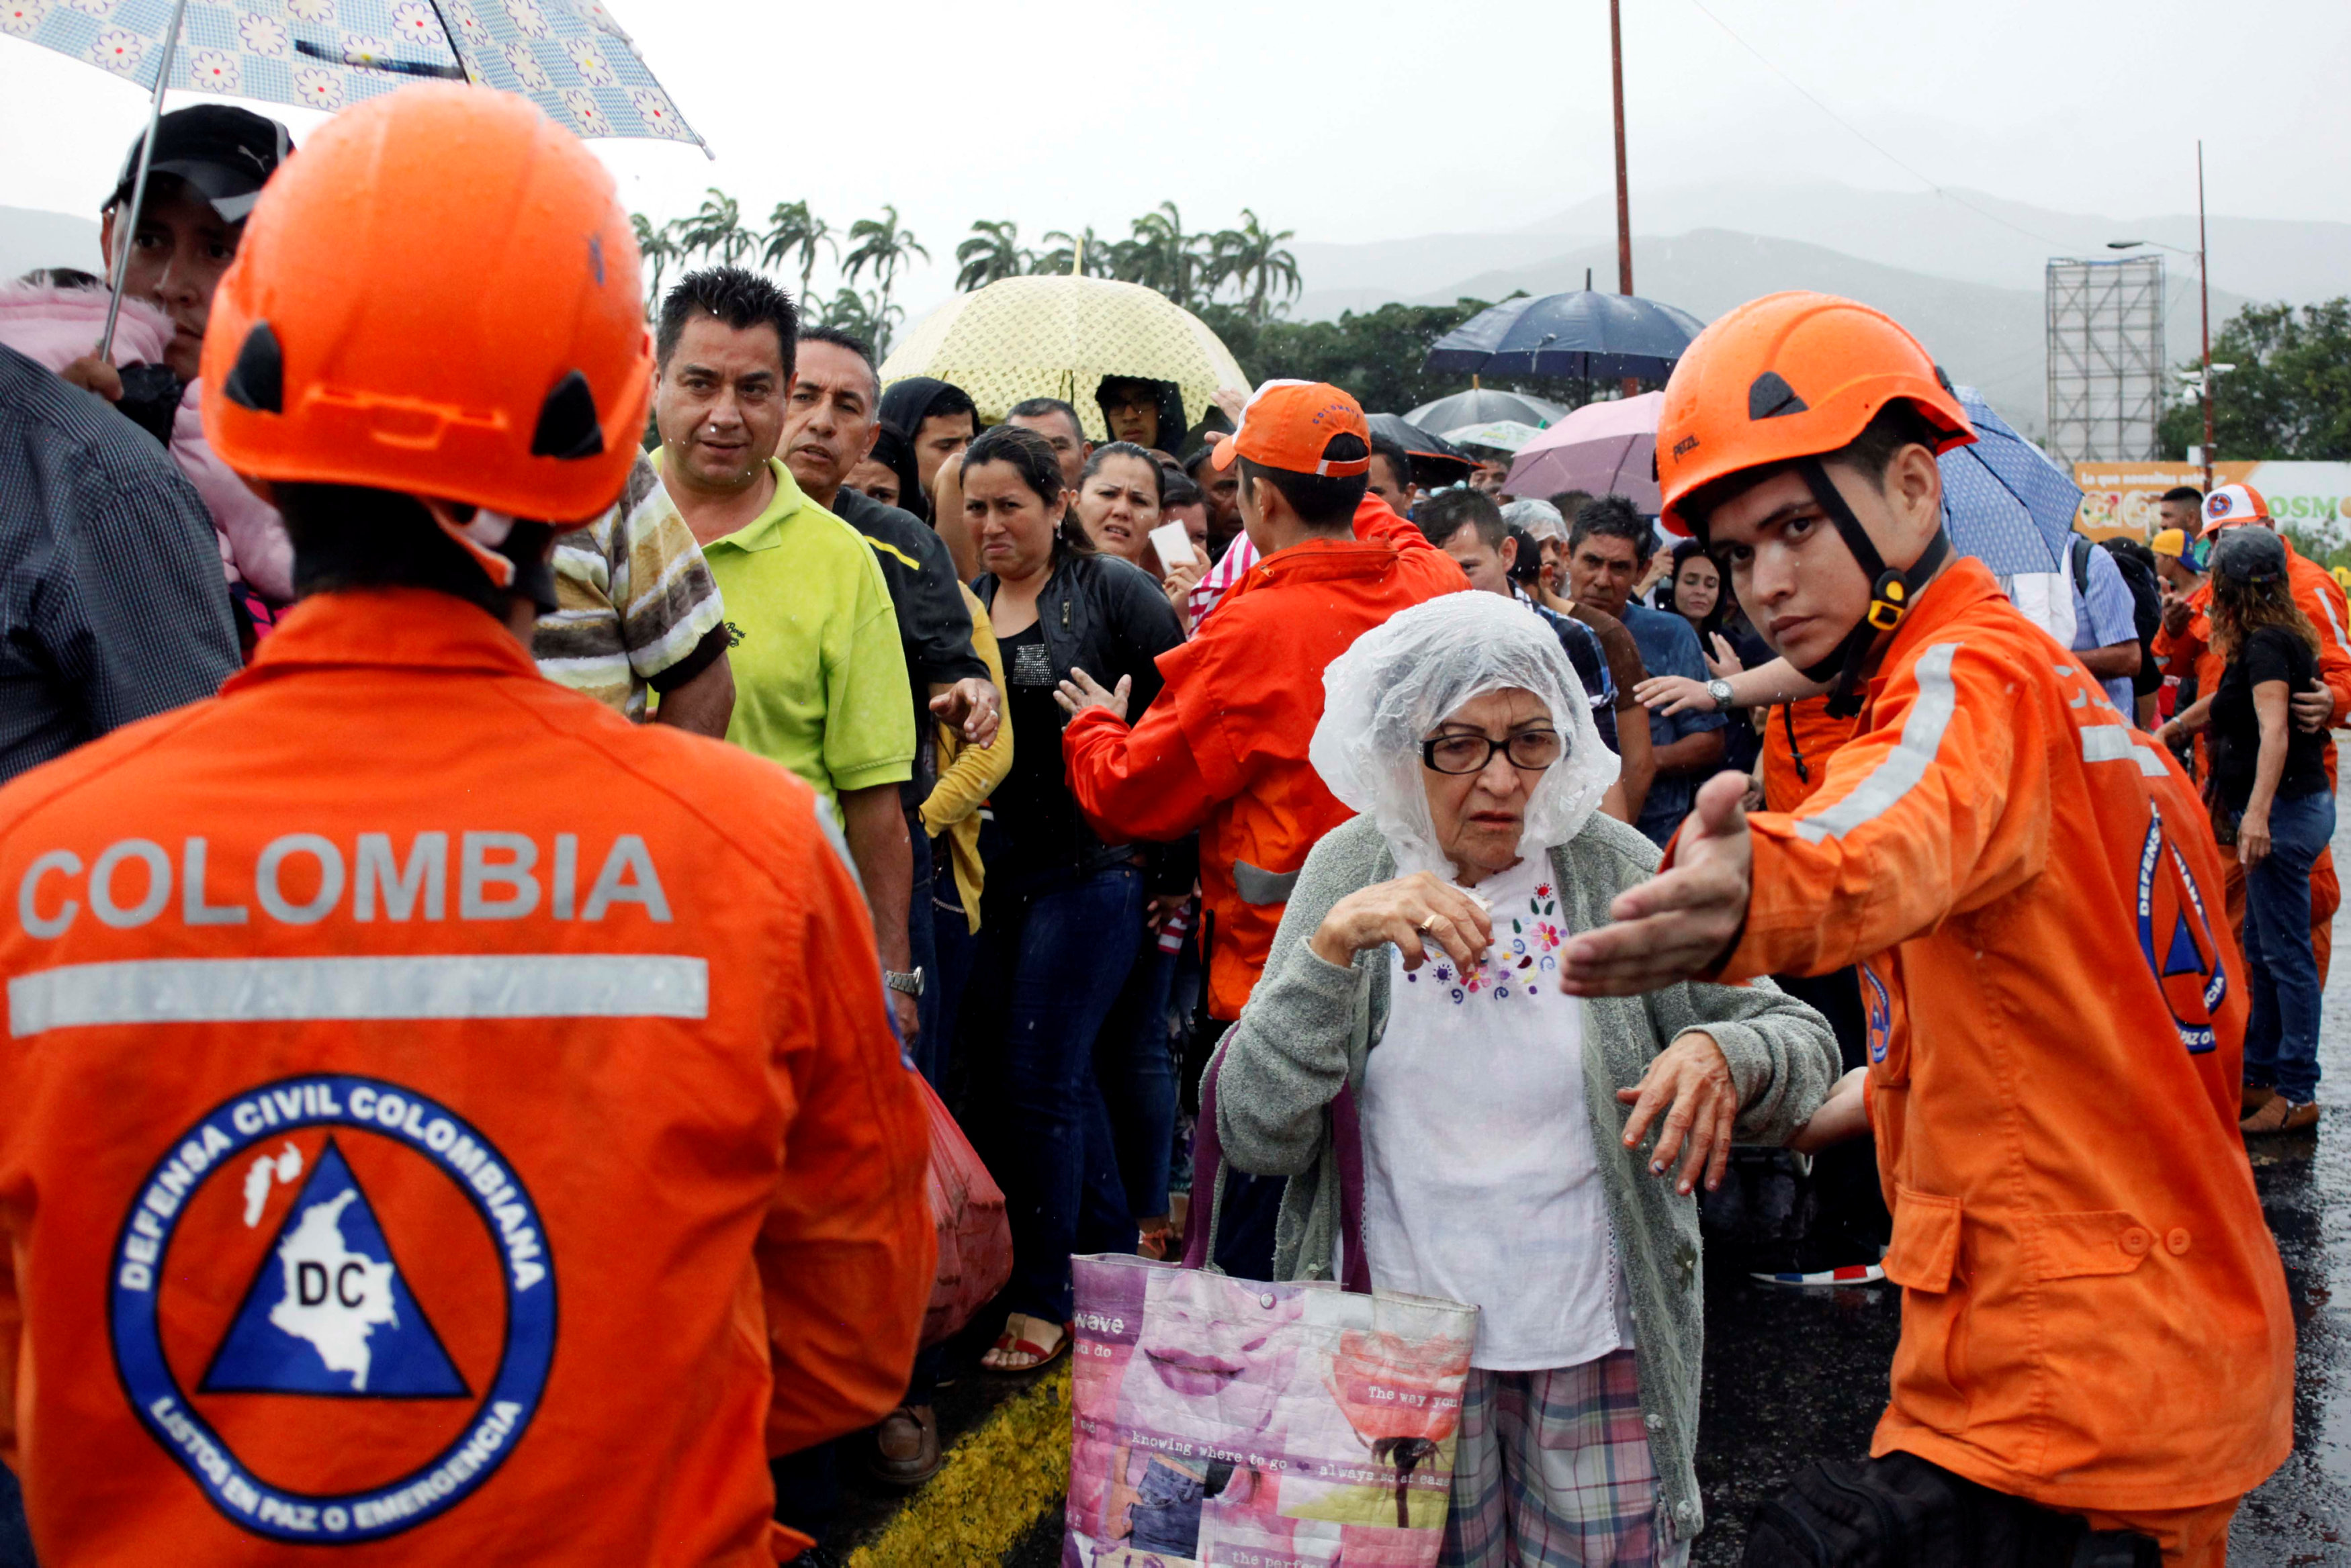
<point x="910" y="982"/>
<point x="1721" y="691"/>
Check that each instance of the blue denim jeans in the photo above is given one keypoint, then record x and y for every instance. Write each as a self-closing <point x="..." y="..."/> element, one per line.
<point x="1134" y="1061"/>
<point x="1053" y="957"/>
<point x="2282" y="1036"/>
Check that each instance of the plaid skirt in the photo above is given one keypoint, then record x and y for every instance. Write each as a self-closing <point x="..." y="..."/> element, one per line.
<point x="1553" y="1470"/>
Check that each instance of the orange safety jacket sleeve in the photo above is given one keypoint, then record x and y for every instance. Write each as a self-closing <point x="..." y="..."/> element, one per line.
<point x="848" y="1253"/>
<point x="1140" y="782"/>
<point x="1148" y="782"/>
<point x="2178" y="655"/>
<point x="1935" y="809"/>
<point x="2320" y="598"/>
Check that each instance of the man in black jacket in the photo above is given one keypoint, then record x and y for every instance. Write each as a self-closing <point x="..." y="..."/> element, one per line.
<point x="828" y="428"/>
<point x="830" y="421"/>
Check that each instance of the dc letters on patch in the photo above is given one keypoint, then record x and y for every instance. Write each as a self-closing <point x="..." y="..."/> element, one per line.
<point x="329" y="1312"/>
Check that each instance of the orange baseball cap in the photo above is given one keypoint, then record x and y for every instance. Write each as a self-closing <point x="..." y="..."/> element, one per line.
<point x="1289" y="425"/>
<point x="2232" y="504"/>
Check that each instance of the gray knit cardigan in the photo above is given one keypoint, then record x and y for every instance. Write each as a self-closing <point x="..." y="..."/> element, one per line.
<point x="1310" y="1023"/>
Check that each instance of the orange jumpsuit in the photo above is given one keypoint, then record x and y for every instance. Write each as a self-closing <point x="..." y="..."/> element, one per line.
<point x="437" y="1119"/>
<point x="1797" y="740"/>
<point x="1223" y="747"/>
<point x="2094" y="1313"/>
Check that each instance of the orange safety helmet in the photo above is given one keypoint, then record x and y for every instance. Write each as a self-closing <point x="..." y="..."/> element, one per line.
<point x="1790" y="376"/>
<point x="438" y="296"/>
<point x="1787" y="380"/>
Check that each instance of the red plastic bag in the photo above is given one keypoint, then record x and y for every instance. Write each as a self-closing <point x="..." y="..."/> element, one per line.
<point x="975" y="1237"/>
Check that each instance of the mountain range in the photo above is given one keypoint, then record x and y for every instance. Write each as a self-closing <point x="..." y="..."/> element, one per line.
<point x="1961" y="268"/>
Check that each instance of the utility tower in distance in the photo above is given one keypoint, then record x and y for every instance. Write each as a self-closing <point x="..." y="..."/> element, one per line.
<point x="2105" y="358"/>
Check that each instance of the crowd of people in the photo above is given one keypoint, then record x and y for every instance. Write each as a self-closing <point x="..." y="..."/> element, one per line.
<point x="1140" y="794"/>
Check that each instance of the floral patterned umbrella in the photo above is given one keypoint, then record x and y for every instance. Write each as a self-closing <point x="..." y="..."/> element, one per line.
<point x="569" y="57"/>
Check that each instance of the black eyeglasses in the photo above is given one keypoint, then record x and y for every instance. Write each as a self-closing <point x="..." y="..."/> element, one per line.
<point x="1530" y="750"/>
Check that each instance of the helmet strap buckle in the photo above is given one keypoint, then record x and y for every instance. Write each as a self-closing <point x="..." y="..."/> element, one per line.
<point x="1893" y="590"/>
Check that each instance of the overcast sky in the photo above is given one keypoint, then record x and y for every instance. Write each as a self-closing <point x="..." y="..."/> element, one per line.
<point x="1376" y="119"/>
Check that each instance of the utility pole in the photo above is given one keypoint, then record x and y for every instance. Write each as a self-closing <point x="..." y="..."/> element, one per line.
<point x="1632" y="385"/>
<point x="2204" y="287"/>
<point x="1624" y="198"/>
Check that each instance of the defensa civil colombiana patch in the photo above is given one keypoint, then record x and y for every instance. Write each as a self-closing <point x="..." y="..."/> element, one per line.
<point x="309" y="1289"/>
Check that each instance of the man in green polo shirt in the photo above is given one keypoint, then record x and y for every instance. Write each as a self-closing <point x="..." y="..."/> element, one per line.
<point x="819" y="679"/>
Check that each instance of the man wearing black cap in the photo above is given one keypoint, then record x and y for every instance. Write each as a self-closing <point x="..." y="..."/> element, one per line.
<point x="210" y="164"/>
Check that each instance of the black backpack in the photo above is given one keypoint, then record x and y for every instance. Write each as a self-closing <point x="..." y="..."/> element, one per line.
<point x="1903" y="1511"/>
<point x="2146" y="607"/>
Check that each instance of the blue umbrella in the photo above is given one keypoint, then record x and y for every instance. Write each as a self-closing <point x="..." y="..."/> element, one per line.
<point x="2004" y="502"/>
<point x="1584" y="333"/>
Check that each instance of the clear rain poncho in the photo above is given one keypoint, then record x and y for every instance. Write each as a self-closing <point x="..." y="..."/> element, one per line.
<point x="1400" y="680"/>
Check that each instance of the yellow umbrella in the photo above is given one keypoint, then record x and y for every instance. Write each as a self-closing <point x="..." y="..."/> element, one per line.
<point x="1058" y="336"/>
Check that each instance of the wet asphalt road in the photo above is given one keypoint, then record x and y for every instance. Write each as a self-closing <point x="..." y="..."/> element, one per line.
<point x="1796" y="1375"/>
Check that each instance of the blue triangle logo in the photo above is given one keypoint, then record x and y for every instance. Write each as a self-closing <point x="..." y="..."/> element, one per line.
<point x="2183" y="958"/>
<point x="328" y="1311"/>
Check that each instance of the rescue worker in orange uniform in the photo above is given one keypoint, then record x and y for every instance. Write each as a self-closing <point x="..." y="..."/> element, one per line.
<point x="437" y="1117"/>
<point x="2319" y="597"/>
<point x="2094" y="1313"/>
<point x="1223" y="749"/>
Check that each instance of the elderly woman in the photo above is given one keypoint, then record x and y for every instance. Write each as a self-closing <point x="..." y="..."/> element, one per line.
<point x="1412" y="1000"/>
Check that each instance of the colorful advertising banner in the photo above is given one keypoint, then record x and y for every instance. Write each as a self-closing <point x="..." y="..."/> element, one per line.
<point x="2120" y="497"/>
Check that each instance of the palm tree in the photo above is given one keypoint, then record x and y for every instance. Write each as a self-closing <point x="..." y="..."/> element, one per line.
<point x="658" y="248"/>
<point x="1254" y="259"/>
<point x="880" y="244"/>
<point x="993" y="252"/>
<point x="865" y="316"/>
<point x="792" y="227"/>
<point x="716" y="229"/>
<point x="1082" y="253"/>
<point x="1163" y="256"/>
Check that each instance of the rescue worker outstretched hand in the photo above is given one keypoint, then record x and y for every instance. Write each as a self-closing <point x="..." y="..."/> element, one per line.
<point x="1680" y="924"/>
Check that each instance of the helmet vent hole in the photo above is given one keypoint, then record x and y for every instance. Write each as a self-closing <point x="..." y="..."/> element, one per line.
<point x="1769" y="396"/>
<point x="568" y="426"/>
<point x="257" y="381"/>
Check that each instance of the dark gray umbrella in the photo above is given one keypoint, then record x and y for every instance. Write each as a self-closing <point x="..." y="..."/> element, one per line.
<point x="1484" y="405"/>
<point x="1584" y="333"/>
<point x="1434" y="457"/>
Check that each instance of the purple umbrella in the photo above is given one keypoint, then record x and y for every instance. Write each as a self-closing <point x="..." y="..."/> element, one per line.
<point x="1608" y="449"/>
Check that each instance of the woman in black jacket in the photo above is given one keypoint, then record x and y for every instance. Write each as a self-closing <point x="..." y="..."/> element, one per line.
<point x="1063" y="910"/>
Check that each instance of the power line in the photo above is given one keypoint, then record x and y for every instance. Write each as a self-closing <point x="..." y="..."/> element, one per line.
<point x="1859" y="135"/>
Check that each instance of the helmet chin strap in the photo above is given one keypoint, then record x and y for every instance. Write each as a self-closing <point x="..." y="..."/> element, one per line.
<point x="481" y="534"/>
<point x="1891" y="593"/>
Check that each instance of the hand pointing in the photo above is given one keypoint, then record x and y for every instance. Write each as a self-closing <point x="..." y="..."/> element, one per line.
<point x="1677" y="924"/>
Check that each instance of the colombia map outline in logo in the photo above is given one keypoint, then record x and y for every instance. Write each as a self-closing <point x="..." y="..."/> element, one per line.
<point x="2189" y="951"/>
<point x="494" y="1190"/>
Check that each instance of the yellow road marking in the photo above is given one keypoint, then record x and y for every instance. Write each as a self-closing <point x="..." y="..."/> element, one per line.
<point x="998" y="1480"/>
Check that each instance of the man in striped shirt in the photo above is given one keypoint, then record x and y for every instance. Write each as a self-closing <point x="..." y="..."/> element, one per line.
<point x="636" y="611"/>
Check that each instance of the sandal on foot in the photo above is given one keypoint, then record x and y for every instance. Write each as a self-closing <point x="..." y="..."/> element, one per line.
<point x="1015" y="1341"/>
